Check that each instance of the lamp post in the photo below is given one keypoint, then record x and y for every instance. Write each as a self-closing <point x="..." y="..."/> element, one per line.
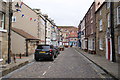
<point x="46" y="16"/>
<point x="112" y="30"/>
<point x="45" y="30"/>
<point x="9" y="31"/>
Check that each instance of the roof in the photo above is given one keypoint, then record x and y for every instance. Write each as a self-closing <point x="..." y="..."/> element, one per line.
<point x="24" y="34"/>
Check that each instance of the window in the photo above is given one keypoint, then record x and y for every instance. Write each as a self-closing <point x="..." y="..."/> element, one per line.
<point x="13" y="19"/>
<point x="2" y="20"/>
<point x="93" y="44"/>
<point x="108" y="5"/>
<point x="119" y="44"/>
<point x="91" y="29"/>
<point x="100" y="44"/>
<point x="0" y="49"/>
<point x="118" y="15"/>
<point x="108" y="17"/>
<point x="100" y="25"/>
<point x="100" y="12"/>
<point x="91" y="12"/>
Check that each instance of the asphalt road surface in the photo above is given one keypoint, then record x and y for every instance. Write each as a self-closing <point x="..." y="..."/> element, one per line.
<point x="69" y="64"/>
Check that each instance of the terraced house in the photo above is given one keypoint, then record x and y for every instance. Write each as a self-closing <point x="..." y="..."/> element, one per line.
<point x="68" y="35"/>
<point x="117" y="28"/>
<point x="26" y="24"/>
<point x="99" y="29"/>
<point x="91" y="29"/>
<point x="4" y="26"/>
<point x="107" y="32"/>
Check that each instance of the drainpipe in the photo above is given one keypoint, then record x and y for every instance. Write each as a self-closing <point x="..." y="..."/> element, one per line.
<point x="9" y="31"/>
<point x="45" y="30"/>
<point x="26" y="48"/>
<point x="112" y="30"/>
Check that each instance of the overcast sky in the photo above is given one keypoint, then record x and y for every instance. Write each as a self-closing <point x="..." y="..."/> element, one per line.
<point x="64" y="12"/>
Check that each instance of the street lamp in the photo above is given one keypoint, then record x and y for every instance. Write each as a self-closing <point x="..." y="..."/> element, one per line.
<point x="9" y="31"/>
<point x="112" y="31"/>
<point x="46" y="16"/>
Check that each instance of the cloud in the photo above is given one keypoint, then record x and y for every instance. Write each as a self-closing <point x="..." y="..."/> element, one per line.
<point x="64" y="12"/>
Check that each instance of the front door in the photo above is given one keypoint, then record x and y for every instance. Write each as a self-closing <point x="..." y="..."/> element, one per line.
<point x="119" y="45"/>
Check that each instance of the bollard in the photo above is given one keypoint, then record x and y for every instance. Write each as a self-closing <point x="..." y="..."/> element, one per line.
<point x="20" y="56"/>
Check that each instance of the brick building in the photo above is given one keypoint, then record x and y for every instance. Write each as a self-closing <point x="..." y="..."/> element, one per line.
<point x="117" y="28"/>
<point x="102" y="24"/>
<point x="4" y="23"/>
<point x="90" y="28"/>
<point x="68" y="35"/>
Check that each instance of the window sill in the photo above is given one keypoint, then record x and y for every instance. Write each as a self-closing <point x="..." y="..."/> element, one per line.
<point x="101" y="49"/>
<point x="118" y="23"/>
<point x="1" y="60"/>
<point x="100" y="30"/>
<point x="3" y="30"/>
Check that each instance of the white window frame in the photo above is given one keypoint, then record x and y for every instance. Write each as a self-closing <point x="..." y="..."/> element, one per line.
<point x="108" y="18"/>
<point x="2" y="20"/>
<point x="118" y="16"/>
<point x="100" y="12"/>
<point x="100" y="44"/>
<point x="91" y="12"/>
<point x="100" y="25"/>
<point x="2" y="23"/>
<point x="108" y="5"/>
<point x="13" y="18"/>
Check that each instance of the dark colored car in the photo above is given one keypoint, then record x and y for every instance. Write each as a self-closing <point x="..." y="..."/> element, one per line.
<point x="57" y="51"/>
<point x="44" y="52"/>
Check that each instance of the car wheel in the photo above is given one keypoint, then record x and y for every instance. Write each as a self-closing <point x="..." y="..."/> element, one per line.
<point x="36" y="59"/>
<point x="56" y="55"/>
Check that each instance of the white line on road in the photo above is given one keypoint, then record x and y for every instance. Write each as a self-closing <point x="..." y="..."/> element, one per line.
<point x="49" y="67"/>
<point x="44" y="73"/>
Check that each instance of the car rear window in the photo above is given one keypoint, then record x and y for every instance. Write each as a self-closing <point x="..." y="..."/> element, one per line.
<point x="43" y="47"/>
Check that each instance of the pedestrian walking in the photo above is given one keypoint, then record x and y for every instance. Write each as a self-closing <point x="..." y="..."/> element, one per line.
<point x="13" y="56"/>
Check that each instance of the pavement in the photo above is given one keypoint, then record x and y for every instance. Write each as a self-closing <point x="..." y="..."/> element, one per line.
<point x="7" y="68"/>
<point x="111" y="68"/>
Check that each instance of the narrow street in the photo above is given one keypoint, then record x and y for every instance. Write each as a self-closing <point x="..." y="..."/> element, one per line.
<point x="69" y="64"/>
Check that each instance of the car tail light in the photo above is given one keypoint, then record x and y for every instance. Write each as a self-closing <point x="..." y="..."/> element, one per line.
<point x="51" y="50"/>
<point x="36" y="50"/>
<point x="50" y="54"/>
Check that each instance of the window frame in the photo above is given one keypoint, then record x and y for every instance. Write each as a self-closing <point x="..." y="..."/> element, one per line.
<point x="108" y="5"/>
<point x="2" y="20"/>
<point x="100" y="44"/>
<point x="118" y="44"/>
<point x="118" y="17"/>
<point x="14" y="17"/>
<point x="108" y="20"/>
<point x="100" y="25"/>
<point x="100" y="12"/>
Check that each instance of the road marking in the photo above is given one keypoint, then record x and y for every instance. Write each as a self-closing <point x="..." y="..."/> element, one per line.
<point x="44" y="73"/>
<point x="49" y="67"/>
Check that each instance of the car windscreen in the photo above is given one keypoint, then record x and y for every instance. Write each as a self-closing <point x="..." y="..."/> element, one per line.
<point x="43" y="47"/>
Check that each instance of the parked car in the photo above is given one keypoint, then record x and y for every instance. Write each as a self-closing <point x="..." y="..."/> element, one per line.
<point x="44" y="52"/>
<point x="61" y="47"/>
<point x="66" y="46"/>
<point x="57" y="51"/>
